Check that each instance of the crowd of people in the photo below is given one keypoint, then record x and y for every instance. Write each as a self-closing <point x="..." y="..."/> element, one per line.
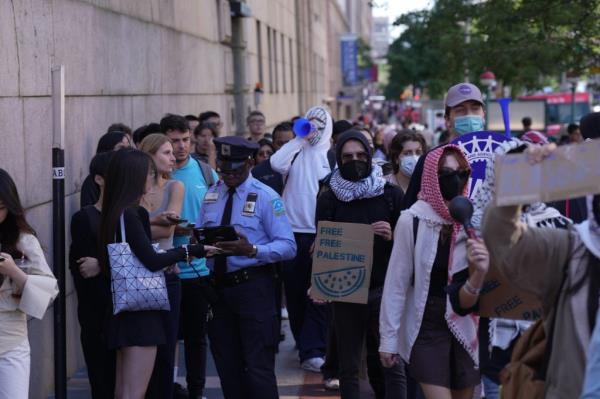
<point x="164" y="187"/>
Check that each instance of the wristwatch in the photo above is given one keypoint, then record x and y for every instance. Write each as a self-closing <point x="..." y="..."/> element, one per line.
<point x="254" y="252"/>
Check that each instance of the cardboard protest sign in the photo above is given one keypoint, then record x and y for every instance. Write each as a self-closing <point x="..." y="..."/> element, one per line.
<point x="571" y="171"/>
<point x="479" y="149"/>
<point x="498" y="298"/>
<point x="342" y="261"/>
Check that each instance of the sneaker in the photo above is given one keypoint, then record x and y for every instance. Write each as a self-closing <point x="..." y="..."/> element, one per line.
<point x="180" y="392"/>
<point x="332" y="384"/>
<point x="313" y="364"/>
<point x="284" y="314"/>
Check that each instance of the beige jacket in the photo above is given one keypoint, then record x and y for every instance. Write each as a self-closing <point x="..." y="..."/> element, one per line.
<point x="534" y="259"/>
<point x="39" y="291"/>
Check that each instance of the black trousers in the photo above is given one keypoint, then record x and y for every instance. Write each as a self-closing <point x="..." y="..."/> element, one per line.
<point x="93" y="307"/>
<point x="161" y="382"/>
<point x="194" y="309"/>
<point x="355" y="323"/>
<point x="308" y="321"/>
<point x="243" y="333"/>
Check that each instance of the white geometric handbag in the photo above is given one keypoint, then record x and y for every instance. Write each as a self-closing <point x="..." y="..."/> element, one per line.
<point x="133" y="286"/>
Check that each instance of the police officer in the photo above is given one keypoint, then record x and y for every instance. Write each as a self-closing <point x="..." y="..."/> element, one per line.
<point x="243" y="329"/>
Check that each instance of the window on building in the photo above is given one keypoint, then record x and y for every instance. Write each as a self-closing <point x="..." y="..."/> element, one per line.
<point x="275" y="61"/>
<point x="270" y="60"/>
<point x="291" y="67"/>
<point x="259" y="53"/>
<point x="283" y="66"/>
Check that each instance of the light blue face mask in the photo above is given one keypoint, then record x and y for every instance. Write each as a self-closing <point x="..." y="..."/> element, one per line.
<point x="468" y="123"/>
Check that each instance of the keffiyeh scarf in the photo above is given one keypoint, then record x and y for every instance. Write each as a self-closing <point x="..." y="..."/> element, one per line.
<point x="369" y="187"/>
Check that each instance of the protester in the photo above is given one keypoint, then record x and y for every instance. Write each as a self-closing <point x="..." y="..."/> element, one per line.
<point x="256" y="125"/>
<point x="303" y="162"/>
<point x="464" y="110"/>
<point x="359" y="194"/>
<point x="526" y="122"/>
<point x="497" y="336"/>
<point x="424" y="321"/>
<point x="134" y="335"/>
<point x="559" y="267"/>
<point x="382" y="141"/>
<point x="574" y="133"/>
<point x="282" y="134"/>
<point x="197" y="177"/>
<point x="92" y="288"/>
<point x="405" y="150"/>
<point x="265" y="150"/>
<point x="27" y="288"/>
<point x="242" y="330"/>
<point x="163" y="202"/>
<point x="111" y="141"/>
<point x="204" y="149"/>
<point x="213" y="118"/>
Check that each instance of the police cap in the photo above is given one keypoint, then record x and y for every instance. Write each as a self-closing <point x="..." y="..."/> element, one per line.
<point x="233" y="151"/>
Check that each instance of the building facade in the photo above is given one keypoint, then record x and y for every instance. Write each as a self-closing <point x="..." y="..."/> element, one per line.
<point x="132" y="61"/>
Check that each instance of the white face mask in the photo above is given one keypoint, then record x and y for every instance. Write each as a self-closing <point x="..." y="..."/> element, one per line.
<point x="407" y="164"/>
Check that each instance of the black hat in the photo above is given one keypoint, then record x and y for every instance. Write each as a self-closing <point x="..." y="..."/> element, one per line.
<point x="233" y="151"/>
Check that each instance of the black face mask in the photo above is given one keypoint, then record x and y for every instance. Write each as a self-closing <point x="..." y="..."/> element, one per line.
<point x="452" y="184"/>
<point x="354" y="170"/>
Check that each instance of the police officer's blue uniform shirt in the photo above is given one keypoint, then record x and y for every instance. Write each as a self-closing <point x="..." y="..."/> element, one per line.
<point x="267" y="227"/>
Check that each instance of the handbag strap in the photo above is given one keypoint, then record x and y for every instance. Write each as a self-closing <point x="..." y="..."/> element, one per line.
<point x="122" y="223"/>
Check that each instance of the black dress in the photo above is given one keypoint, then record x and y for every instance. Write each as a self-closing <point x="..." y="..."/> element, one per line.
<point x="141" y="328"/>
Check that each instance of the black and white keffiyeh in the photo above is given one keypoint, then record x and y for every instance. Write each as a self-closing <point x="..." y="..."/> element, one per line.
<point x="369" y="187"/>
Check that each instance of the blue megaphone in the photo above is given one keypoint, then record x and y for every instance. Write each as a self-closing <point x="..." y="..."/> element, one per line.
<point x="505" y="115"/>
<point x="303" y="127"/>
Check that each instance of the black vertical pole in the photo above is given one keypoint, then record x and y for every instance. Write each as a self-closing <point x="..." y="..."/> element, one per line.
<point x="58" y="233"/>
<point x="58" y="230"/>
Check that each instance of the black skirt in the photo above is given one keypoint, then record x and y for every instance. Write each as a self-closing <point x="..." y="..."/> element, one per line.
<point x="437" y="358"/>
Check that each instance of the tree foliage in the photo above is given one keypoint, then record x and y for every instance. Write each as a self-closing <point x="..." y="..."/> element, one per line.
<point x="524" y="42"/>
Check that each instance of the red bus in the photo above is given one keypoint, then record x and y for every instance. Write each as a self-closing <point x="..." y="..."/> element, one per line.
<point x="558" y="108"/>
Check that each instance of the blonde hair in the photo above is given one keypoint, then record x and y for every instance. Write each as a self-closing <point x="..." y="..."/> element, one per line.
<point x="151" y="144"/>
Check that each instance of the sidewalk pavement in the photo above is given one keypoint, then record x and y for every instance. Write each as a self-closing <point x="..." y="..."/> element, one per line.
<point x="293" y="382"/>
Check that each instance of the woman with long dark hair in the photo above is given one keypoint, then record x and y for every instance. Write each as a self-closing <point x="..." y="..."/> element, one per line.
<point x="27" y="287"/>
<point x="135" y="335"/>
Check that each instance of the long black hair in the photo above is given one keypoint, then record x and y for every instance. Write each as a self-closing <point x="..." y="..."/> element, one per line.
<point x="15" y="222"/>
<point x="124" y="185"/>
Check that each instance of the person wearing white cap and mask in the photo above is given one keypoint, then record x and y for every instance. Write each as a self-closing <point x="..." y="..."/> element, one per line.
<point x="464" y="110"/>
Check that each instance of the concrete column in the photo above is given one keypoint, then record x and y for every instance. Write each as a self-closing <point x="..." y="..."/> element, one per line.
<point x="239" y="75"/>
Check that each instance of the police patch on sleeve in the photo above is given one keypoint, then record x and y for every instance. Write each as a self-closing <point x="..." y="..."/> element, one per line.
<point x="278" y="208"/>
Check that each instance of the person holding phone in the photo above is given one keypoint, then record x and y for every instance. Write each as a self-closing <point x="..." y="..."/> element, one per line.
<point x="135" y="335"/>
<point x="163" y="202"/>
<point x="243" y="331"/>
<point x="21" y="294"/>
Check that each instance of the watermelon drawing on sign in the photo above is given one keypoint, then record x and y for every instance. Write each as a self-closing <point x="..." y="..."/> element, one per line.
<point x="341" y="282"/>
